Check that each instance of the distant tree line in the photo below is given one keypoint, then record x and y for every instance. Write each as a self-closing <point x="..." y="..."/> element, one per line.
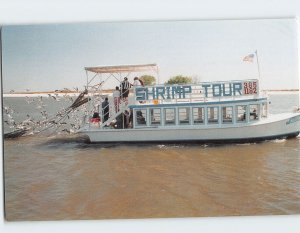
<point x="148" y="80"/>
<point x="179" y="79"/>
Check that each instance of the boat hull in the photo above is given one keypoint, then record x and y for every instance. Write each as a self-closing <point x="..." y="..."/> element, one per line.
<point x="281" y="126"/>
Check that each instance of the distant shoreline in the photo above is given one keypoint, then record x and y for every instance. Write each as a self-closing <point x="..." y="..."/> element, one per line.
<point x="47" y="93"/>
<point x="283" y="90"/>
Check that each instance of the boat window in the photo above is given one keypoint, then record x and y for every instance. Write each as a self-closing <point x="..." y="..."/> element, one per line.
<point x="264" y="110"/>
<point x="212" y="115"/>
<point x="254" y="112"/>
<point x="155" y="116"/>
<point x="241" y="113"/>
<point x="227" y="114"/>
<point x="184" y="115"/>
<point x="141" y="116"/>
<point x="170" y="116"/>
<point x="198" y="115"/>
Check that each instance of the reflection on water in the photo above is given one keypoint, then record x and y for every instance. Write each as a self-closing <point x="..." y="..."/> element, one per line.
<point x="64" y="177"/>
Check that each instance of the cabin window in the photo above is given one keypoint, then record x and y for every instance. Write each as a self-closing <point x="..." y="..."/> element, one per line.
<point x="155" y="116"/>
<point x="241" y="113"/>
<point x="198" y="115"/>
<point x="212" y="115"/>
<point x="170" y="118"/>
<point x="264" y="110"/>
<point x="227" y="113"/>
<point x="254" y="112"/>
<point x="141" y="117"/>
<point x="184" y="116"/>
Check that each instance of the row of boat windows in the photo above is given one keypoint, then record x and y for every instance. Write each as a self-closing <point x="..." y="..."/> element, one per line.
<point x="197" y="115"/>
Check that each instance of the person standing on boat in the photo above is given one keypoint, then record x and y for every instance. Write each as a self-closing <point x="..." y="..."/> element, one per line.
<point x="130" y="122"/>
<point x="121" y="122"/>
<point x="137" y="82"/>
<point x="105" y="109"/>
<point x="127" y="116"/>
<point x="116" y="96"/>
<point x="125" y="86"/>
<point x="253" y="114"/>
<point x="140" y="118"/>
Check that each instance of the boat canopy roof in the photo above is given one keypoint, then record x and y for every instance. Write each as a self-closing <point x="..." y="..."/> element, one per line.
<point x="122" y="68"/>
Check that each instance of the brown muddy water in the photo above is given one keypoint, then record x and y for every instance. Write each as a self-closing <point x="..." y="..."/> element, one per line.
<point x="63" y="177"/>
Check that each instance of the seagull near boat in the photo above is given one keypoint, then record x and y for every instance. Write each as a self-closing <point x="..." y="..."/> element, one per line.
<point x="224" y="111"/>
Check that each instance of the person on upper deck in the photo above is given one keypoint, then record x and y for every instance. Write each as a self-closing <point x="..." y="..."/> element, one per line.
<point x="137" y="82"/>
<point x="125" y="86"/>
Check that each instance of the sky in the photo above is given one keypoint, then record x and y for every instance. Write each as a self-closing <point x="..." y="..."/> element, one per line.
<point x="53" y="56"/>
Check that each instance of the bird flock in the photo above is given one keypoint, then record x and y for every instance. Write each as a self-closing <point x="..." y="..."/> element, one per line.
<point x="43" y="119"/>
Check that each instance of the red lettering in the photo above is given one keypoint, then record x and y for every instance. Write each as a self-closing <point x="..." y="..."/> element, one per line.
<point x="250" y="88"/>
<point x="246" y="89"/>
<point x="254" y="87"/>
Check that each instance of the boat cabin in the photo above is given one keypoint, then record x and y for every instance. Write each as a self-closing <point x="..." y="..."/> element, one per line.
<point x="204" y="104"/>
<point x="207" y="104"/>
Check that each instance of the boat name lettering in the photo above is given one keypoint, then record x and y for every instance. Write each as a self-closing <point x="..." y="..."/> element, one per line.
<point x="168" y="92"/>
<point x="206" y="89"/>
<point x="222" y="89"/>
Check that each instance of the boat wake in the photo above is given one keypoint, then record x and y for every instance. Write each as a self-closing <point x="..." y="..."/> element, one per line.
<point x="279" y="140"/>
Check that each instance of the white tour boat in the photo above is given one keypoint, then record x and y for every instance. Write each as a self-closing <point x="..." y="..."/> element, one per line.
<point x="229" y="111"/>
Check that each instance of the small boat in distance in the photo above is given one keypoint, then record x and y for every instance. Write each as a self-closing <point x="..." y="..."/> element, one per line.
<point x="225" y="111"/>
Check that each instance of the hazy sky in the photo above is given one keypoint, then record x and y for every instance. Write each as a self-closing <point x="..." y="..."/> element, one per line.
<point x="49" y="57"/>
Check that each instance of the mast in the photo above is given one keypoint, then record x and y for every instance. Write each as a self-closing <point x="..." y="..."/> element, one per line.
<point x="258" y="69"/>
